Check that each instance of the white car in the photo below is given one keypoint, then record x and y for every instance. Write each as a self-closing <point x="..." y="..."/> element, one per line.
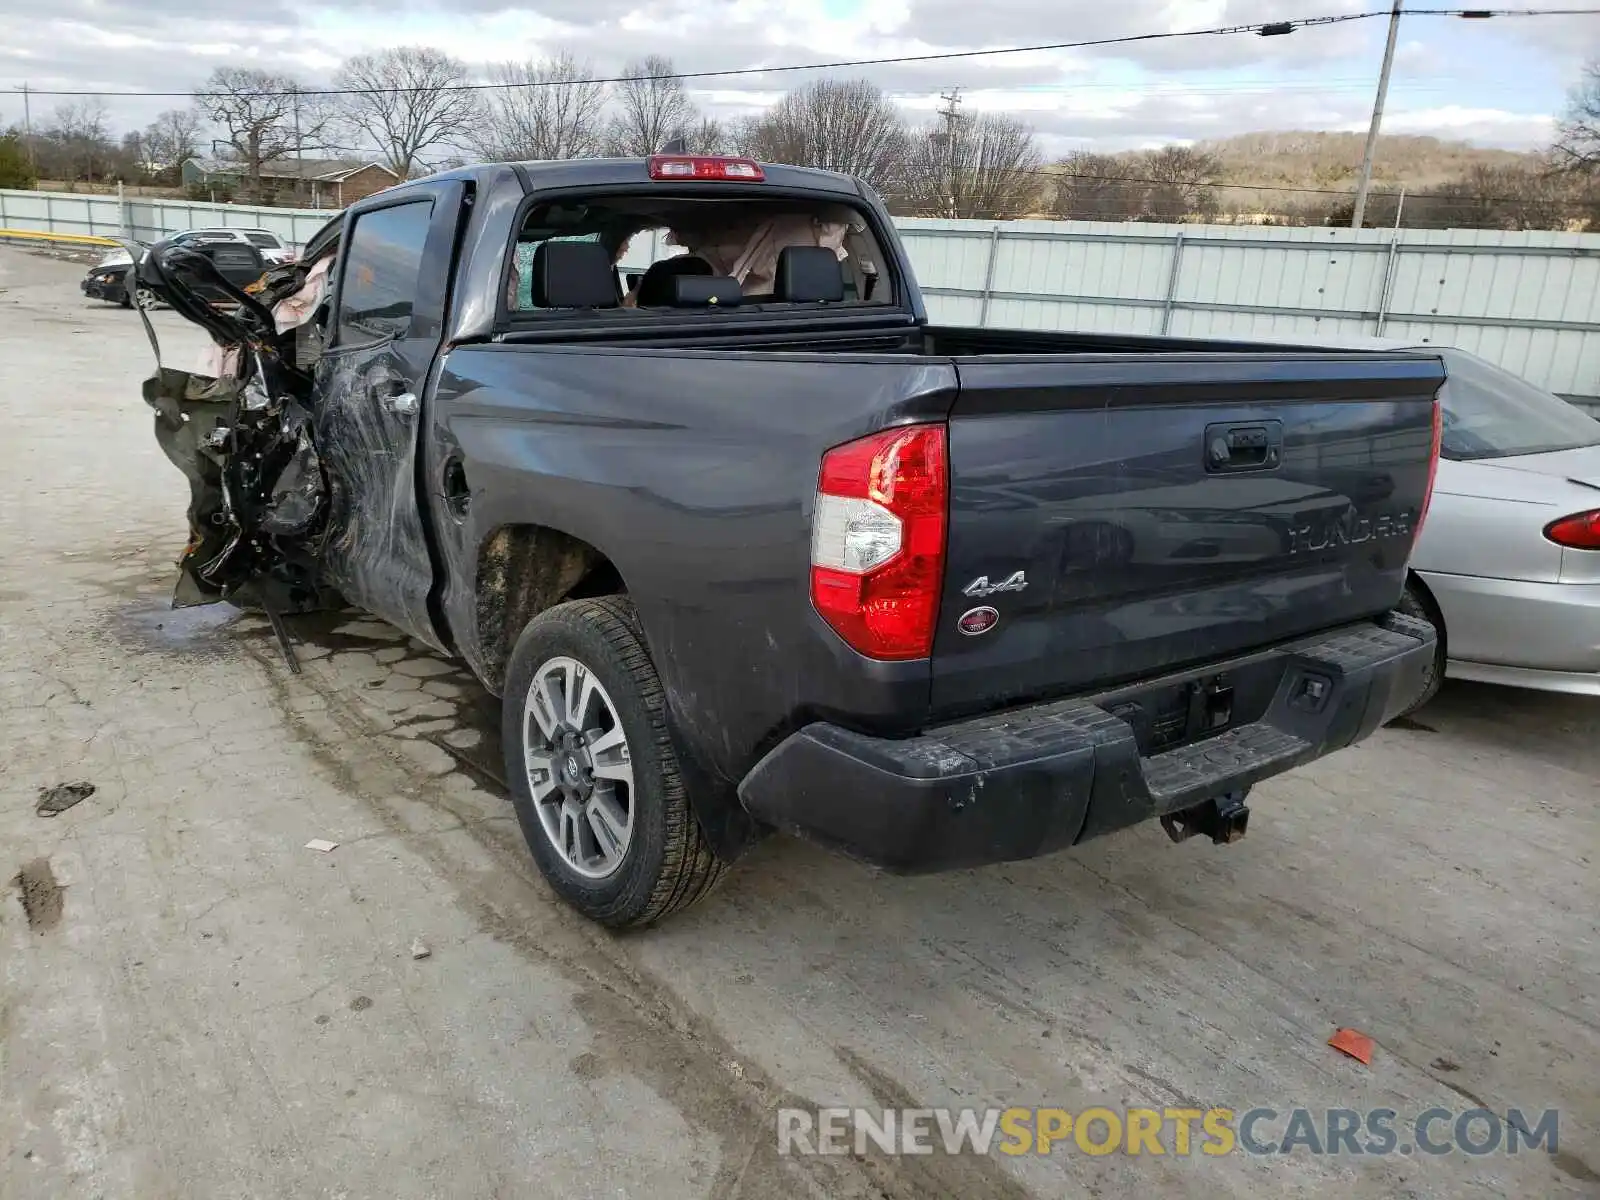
<point x="1508" y="564"/>
<point x="273" y="248"/>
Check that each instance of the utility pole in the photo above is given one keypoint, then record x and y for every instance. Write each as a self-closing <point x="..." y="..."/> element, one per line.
<point x="1377" y="120"/>
<point x="27" y="129"/>
<point x="952" y="102"/>
<point x="299" y="153"/>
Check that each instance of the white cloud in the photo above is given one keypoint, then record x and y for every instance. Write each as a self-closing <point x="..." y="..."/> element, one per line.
<point x="1487" y="126"/>
<point x="1139" y="94"/>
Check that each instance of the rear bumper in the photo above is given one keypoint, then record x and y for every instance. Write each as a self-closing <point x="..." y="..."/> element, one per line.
<point x="1030" y="781"/>
<point x="1540" y="628"/>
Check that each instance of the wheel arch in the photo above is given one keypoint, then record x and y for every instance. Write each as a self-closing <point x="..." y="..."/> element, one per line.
<point x="1430" y="604"/>
<point x="522" y="570"/>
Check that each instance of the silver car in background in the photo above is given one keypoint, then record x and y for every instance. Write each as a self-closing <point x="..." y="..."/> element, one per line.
<point x="1508" y="564"/>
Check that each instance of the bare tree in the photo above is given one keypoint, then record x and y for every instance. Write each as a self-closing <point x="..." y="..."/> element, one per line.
<point x="1577" y="145"/>
<point x="80" y="119"/>
<point x="265" y="118"/>
<point x="707" y="135"/>
<point x="1095" y="187"/>
<point x="835" y="125"/>
<point x="981" y="165"/>
<point x="1181" y="183"/>
<point x="407" y="100"/>
<point x="1384" y="210"/>
<point x="135" y="154"/>
<point x="78" y="131"/>
<point x="1490" y="197"/>
<point x="171" y="140"/>
<point x="1526" y="197"/>
<point x="551" y="110"/>
<point x="653" y="106"/>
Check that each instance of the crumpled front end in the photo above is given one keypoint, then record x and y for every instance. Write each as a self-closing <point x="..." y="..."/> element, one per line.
<point x="240" y="430"/>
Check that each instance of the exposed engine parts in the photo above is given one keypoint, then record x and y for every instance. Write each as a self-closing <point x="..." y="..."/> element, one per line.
<point x="242" y="433"/>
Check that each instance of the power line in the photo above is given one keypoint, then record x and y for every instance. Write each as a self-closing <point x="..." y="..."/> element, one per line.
<point x="1262" y="29"/>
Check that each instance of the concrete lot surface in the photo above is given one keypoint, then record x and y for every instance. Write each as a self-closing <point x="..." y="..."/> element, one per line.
<point x="194" y="1004"/>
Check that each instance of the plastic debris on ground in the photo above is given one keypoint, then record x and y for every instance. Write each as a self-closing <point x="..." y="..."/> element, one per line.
<point x="1354" y="1043"/>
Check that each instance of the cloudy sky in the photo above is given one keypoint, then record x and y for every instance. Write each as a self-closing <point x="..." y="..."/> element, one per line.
<point x="1496" y="82"/>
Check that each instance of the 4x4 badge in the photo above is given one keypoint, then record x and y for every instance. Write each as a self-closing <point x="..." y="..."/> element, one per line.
<point x="981" y="586"/>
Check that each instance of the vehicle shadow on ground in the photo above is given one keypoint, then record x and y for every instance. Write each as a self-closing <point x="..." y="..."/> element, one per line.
<point x="421" y="693"/>
<point x="412" y="691"/>
<point x="409" y="690"/>
<point x="1563" y="730"/>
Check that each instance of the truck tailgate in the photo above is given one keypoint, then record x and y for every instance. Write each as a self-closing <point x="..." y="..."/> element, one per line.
<point x="1125" y="516"/>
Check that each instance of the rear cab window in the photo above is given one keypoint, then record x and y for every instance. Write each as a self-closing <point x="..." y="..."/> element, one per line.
<point x="264" y="240"/>
<point x="734" y="245"/>
<point x="382" y="261"/>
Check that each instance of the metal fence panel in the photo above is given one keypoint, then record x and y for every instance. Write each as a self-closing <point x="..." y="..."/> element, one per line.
<point x="1529" y="301"/>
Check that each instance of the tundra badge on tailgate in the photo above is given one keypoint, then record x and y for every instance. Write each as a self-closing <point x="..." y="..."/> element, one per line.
<point x="981" y="586"/>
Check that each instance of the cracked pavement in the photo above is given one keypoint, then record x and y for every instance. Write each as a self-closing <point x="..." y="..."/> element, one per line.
<point x="217" y="1011"/>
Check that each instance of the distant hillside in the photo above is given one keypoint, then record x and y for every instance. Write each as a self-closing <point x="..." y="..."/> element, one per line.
<point x="1310" y="178"/>
<point x="1333" y="160"/>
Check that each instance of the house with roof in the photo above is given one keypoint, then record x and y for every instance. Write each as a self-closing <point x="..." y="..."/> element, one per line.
<point x="297" y="182"/>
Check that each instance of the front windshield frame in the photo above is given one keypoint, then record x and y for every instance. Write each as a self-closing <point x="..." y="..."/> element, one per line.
<point x="1545" y="423"/>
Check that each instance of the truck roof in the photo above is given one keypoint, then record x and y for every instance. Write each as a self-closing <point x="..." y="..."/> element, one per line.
<point x="612" y="172"/>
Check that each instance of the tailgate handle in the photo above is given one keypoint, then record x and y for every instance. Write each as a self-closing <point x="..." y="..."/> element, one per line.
<point x="1257" y="446"/>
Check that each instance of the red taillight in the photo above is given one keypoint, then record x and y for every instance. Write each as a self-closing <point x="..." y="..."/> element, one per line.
<point x="877" y="540"/>
<point x="702" y="166"/>
<point x="1433" y="468"/>
<point x="1578" y="532"/>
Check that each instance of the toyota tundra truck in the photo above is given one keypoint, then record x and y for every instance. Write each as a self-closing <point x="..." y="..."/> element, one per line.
<point x="669" y="452"/>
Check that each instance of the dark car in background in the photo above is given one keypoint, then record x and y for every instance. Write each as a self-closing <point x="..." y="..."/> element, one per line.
<point x="108" y="279"/>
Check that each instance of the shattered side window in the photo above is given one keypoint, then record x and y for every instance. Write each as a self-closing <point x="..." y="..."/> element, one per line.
<point x="378" y="281"/>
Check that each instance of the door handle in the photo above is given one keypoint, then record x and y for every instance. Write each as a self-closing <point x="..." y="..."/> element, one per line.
<point x="1253" y="446"/>
<point x="401" y="403"/>
<point x="392" y="390"/>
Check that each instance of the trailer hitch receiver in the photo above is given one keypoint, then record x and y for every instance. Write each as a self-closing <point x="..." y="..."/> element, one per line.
<point x="1223" y="818"/>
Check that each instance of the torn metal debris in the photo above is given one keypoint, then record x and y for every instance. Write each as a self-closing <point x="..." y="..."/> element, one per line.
<point x="240" y="428"/>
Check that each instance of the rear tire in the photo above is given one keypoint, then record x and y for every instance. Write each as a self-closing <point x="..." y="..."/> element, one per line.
<point x="1414" y="602"/>
<point x="593" y="771"/>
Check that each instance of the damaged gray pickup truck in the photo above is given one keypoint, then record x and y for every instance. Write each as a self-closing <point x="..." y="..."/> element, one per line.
<point x="745" y="542"/>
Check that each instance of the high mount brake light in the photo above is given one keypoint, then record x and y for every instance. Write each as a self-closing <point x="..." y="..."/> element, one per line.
<point x="878" y="540"/>
<point x="1578" y="532"/>
<point x="703" y="166"/>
